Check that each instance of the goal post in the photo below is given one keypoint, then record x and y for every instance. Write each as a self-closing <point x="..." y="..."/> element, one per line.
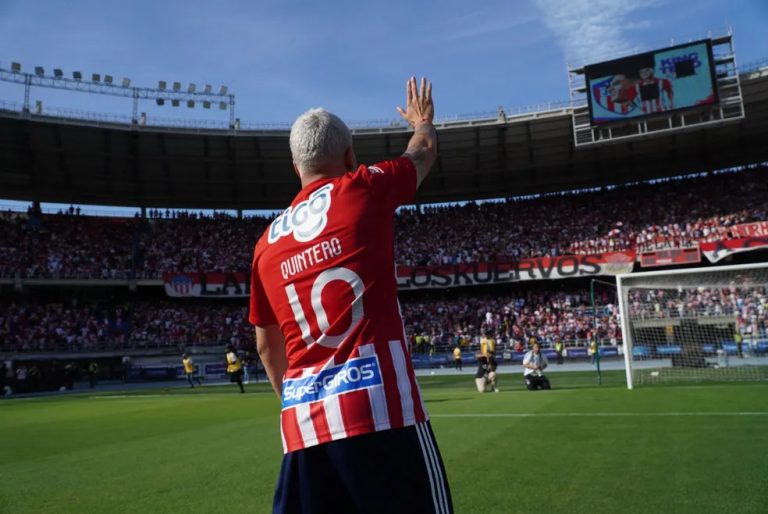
<point x="695" y="325"/>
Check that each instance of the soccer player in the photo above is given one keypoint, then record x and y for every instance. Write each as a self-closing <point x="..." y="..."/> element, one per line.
<point x="617" y="94"/>
<point x="234" y="367"/>
<point x="355" y="430"/>
<point x="191" y="370"/>
<point x="655" y="94"/>
<point x="535" y="363"/>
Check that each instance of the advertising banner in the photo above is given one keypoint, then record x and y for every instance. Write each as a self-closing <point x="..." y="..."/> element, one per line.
<point x="238" y="285"/>
<point x="719" y="250"/>
<point x="207" y="285"/>
<point x="744" y="230"/>
<point x="545" y="268"/>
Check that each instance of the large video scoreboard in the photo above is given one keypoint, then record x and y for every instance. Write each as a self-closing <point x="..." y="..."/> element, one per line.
<point x="672" y="79"/>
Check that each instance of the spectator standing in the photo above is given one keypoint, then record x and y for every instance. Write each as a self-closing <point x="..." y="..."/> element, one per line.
<point x="93" y="373"/>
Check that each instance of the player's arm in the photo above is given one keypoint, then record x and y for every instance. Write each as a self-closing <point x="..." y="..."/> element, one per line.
<point x="271" y="348"/>
<point x="419" y="112"/>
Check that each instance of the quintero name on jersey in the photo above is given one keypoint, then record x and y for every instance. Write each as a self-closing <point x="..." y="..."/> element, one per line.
<point x="353" y="375"/>
<point x="306" y="220"/>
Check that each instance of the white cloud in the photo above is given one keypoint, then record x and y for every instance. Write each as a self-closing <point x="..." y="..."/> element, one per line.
<point x="593" y="30"/>
<point x="482" y="28"/>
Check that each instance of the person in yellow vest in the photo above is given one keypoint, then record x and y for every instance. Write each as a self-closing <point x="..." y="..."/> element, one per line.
<point x="488" y="355"/>
<point x="191" y="370"/>
<point x="488" y="347"/>
<point x="419" y="343"/>
<point x="559" y="350"/>
<point x="234" y="368"/>
<point x="457" y="358"/>
<point x="739" y="340"/>
<point x="592" y="351"/>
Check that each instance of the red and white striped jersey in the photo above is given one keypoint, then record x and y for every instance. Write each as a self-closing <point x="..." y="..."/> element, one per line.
<point x="659" y="103"/>
<point x="324" y="271"/>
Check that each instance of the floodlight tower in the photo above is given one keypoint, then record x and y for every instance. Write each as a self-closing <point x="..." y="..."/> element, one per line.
<point x="106" y="85"/>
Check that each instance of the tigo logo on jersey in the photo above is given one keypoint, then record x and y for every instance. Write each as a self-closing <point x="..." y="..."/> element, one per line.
<point x="305" y="221"/>
<point x="353" y="375"/>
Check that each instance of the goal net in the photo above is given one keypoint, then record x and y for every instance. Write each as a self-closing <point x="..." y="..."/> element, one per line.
<point x="695" y="325"/>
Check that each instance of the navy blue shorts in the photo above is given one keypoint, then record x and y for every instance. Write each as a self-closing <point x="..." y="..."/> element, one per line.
<point x="393" y="471"/>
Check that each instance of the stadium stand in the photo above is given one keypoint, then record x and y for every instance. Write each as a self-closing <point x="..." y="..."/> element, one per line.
<point x="70" y="325"/>
<point x="76" y="287"/>
<point x="675" y="214"/>
<point x="73" y="326"/>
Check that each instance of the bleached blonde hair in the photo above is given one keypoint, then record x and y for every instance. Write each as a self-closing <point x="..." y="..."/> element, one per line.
<point x="318" y="137"/>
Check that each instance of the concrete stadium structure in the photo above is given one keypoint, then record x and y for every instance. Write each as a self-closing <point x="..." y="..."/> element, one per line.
<point x="66" y="160"/>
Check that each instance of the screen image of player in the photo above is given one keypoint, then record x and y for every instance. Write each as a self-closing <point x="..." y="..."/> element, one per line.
<point x="672" y="79"/>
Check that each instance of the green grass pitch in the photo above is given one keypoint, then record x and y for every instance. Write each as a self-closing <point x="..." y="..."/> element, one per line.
<point x="577" y="448"/>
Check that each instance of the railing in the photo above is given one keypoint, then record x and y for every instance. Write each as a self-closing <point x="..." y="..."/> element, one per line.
<point x="443" y="347"/>
<point x="196" y="124"/>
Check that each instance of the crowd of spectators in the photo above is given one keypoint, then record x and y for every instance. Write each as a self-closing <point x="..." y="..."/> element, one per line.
<point x="440" y="320"/>
<point x="677" y="213"/>
<point x="29" y="326"/>
<point x="747" y="305"/>
<point x="71" y="246"/>
<point x="434" y="322"/>
<point x="515" y="321"/>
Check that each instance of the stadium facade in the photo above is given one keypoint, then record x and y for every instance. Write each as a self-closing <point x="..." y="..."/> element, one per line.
<point x="65" y="160"/>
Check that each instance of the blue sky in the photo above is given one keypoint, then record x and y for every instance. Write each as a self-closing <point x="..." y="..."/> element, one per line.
<point x="283" y="57"/>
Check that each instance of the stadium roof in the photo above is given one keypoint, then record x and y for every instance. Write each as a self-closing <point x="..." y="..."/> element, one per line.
<point x="72" y="161"/>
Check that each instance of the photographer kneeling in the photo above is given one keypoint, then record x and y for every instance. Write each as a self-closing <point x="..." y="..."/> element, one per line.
<point x="534" y="363"/>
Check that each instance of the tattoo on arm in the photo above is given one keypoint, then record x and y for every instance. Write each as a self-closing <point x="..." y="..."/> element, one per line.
<point x="422" y="149"/>
<point x="417" y="155"/>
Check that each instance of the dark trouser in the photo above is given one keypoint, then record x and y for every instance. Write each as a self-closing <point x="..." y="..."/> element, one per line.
<point x="533" y="382"/>
<point x="393" y="471"/>
<point x="458" y="363"/>
<point x="237" y="378"/>
<point x="559" y="357"/>
<point x="191" y="377"/>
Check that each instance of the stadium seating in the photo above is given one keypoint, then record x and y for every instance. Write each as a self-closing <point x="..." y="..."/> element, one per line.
<point x="72" y="326"/>
<point x="682" y="213"/>
<point x="69" y="245"/>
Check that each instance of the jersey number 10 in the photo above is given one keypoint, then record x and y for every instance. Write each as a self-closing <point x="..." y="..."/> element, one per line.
<point x="323" y="279"/>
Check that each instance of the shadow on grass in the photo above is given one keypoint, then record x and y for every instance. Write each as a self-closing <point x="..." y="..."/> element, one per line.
<point x="441" y="400"/>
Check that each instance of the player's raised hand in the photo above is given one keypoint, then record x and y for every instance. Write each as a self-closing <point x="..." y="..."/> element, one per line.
<point x="418" y="102"/>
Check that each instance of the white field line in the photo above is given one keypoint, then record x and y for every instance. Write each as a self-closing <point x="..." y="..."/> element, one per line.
<point x="128" y="396"/>
<point x="594" y="414"/>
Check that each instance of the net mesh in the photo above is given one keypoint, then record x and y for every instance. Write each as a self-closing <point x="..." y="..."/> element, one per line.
<point x="699" y="326"/>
